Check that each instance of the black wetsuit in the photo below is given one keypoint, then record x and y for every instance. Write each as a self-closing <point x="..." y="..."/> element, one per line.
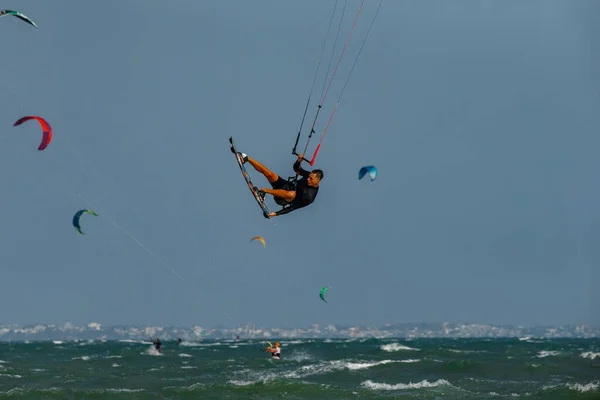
<point x="305" y="194"/>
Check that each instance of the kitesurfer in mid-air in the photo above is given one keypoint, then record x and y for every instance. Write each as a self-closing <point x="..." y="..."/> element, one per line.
<point x="275" y="351"/>
<point x="291" y="195"/>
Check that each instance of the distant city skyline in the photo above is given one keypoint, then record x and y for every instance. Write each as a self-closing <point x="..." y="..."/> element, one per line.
<point x="95" y="331"/>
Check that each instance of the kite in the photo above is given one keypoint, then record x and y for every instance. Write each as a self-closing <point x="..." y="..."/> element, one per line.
<point x="322" y="293"/>
<point x="259" y="238"/>
<point x="46" y="130"/>
<point x="371" y="170"/>
<point x="17" y="14"/>
<point x="77" y="217"/>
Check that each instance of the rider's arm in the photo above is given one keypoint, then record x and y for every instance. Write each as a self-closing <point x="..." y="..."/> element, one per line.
<point x="299" y="170"/>
<point x="287" y="209"/>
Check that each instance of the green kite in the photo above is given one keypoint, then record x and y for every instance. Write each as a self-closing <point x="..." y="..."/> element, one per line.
<point x="77" y="217"/>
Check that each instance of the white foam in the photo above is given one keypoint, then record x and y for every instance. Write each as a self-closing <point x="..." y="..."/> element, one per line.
<point x="191" y="387"/>
<point x="202" y="344"/>
<point x="135" y="341"/>
<point x="241" y="383"/>
<point x="192" y="344"/>
<point x="331" y="366"/>
<point x="397" y="347"/>
<point x="249" y="377"/>
<point x="365" y="365"/>
<point x="590" y="355"/>
<point x="588" y="387"/>
<point x="151" y="351"/>
<point x="257" y="378"/>
<point x="13" y="391"/>
<point x="399" y="386"/>
<point x="11" y="376"/>
<point x="464" y="351"/>
<point x="546" y="353"/>
<point x="578" y="387"/>
<point x="296" y="342"/>
<point x="184" y="355"/>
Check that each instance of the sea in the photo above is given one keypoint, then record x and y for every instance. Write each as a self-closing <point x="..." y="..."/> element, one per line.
<point x="525" y="368"/>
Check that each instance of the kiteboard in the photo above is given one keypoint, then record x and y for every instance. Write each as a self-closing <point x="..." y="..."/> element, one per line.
<point x="251" y="186"/>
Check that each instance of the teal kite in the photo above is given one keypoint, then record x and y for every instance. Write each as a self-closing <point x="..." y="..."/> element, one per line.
<point x="370" y="170"/>
<point x="322" y="293"/>
<point x="17" y="14"/>
<point x="77" y="217"/>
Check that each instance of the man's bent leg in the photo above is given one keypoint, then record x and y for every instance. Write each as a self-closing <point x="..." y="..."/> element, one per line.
<point x="270" y="175"/>
<point x="287" y="195"/>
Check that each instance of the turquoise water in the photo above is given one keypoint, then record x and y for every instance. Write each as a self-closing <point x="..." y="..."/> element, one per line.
<point x="309" y="369"/>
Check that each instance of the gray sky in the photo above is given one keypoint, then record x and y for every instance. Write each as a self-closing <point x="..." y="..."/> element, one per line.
<point x="482" y="118"/>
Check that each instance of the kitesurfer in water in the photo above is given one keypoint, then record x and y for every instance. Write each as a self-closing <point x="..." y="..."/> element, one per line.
<point x="291" y="195"/>
<point x="157" y="345"/>
<point x="275" y="351"/>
